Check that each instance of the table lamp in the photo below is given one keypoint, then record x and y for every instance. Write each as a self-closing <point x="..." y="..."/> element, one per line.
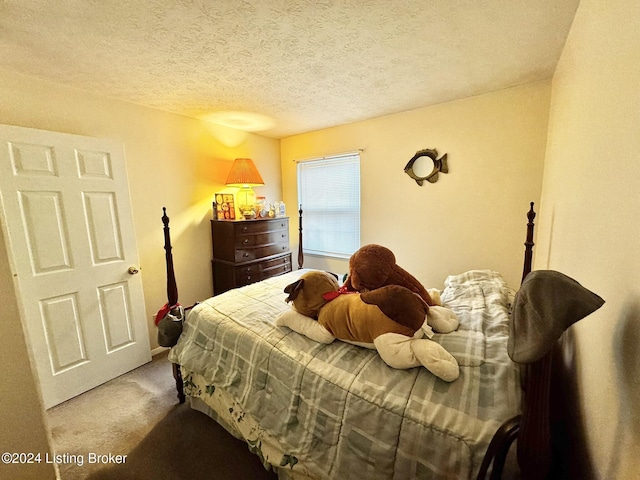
<point x="245" y="175"/>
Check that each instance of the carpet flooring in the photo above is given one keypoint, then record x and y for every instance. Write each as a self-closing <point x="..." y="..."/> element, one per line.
<point x="138" y="415"/>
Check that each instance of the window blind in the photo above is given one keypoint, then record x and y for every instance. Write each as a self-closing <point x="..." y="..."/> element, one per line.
<point x="329" y="192"/>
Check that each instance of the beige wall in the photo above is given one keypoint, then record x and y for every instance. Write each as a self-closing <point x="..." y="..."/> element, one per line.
<point x="472" y="218"/>
<point x="172" y="161"/>
<point x="23" y="424"/>
<point x="590" y="224"/>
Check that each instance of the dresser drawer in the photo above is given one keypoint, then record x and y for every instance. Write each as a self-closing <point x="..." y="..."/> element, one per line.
<point x="262" y="239"/>
<point x="260" y="226"/>
<point x="247" y="275"/>
<point x="277" y="270"/>
<point x="263" y="269"/>
<point x="254" y="253"/>
<point x="274" y="263"/>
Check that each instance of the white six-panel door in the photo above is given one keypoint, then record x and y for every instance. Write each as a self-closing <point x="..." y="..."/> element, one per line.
<point x="64" y="203"/>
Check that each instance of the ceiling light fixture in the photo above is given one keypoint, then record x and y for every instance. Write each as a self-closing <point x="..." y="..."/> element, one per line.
<point x="245" y="121"/>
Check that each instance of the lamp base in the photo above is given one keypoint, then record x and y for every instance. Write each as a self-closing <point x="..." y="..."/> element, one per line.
<point x="246" y="202"/>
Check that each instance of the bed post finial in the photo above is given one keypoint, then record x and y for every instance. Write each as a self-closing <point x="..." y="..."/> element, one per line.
<point x="300" y="254"/>
<point x="528" y="244"/>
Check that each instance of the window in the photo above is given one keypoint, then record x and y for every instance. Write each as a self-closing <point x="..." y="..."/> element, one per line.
<point x="329" y="192"/>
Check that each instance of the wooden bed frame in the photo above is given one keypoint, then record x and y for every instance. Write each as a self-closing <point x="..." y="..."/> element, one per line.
<point x="532" y="428"/>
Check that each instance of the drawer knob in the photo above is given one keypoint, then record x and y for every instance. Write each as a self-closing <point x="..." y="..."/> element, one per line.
<point x="245" y="254"/>
<point x="245" y="241"/>
<point x="245" y="228"/>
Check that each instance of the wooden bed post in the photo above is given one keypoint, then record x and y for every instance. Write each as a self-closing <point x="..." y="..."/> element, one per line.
<point x="534" y="437"/>
<point x="172" y="295"/>
<point x="172" y="288"/>
<point x="300" y="254"/>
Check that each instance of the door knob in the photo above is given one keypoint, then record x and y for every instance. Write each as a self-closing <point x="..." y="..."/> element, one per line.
<point x="133" y="270"/>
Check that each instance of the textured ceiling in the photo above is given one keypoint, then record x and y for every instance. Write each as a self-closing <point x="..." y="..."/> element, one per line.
<point x="302" y="65"/>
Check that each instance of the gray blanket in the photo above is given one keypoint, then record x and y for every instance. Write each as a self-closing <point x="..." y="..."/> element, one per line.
<point x="338" y="409"/>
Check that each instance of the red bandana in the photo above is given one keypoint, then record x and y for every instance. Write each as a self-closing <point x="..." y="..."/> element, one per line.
<point x="341" y="291"/>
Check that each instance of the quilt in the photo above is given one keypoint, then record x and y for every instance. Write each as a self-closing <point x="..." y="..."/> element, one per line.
<point x="338" y="411"/>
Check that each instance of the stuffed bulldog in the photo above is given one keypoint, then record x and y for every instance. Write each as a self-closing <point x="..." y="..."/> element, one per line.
<point x="389" y="319"/>
<point x="374" y="266"/>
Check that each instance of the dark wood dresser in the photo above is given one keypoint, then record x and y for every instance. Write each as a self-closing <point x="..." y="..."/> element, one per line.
<point x="247" y="251"/>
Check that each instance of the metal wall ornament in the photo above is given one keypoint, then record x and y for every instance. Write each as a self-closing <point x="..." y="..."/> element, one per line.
<point x="439" y="166"/>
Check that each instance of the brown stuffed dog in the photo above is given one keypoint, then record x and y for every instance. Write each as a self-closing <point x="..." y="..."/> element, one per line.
<point x="374" y="266"/>
<point x="389" y="319"/>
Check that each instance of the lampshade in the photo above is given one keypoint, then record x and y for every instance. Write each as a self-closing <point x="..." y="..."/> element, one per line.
<point x="244" y="174"/>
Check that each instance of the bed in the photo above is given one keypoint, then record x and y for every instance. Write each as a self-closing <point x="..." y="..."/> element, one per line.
<point x="311" y="410"/>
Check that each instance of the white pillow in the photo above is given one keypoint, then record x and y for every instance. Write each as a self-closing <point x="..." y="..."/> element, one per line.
<point x="304" y="325"/>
